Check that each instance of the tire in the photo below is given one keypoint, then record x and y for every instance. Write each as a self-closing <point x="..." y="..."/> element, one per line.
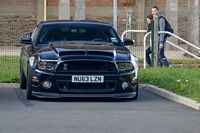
<point x="29" y="95"/>
<point x="22" y="79"/>
<point x="136" y="96"/>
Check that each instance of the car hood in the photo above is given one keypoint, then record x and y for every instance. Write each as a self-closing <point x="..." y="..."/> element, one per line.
<point x="84" y="51"/>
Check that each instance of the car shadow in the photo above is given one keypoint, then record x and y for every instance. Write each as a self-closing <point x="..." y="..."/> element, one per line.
<point x="143" y="95"/>
<point x="82" y="100"/>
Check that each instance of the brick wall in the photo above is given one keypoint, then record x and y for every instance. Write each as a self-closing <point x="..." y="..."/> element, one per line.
<point x="96" y="2"/>
<point x="55" y="2"/>
<point x="125" y="4"/>
<point x="160" y="3"/>
<point x="18" y="2"/>
<point x="52" y="2"/>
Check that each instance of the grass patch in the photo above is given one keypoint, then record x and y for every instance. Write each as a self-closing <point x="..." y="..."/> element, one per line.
<point x="184" y="62"/>
<point x="182" y="81"/>
<point x="9" y="69"/>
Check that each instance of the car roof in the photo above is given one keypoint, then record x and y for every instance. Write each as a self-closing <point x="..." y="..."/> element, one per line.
<point x="74" y="22"/>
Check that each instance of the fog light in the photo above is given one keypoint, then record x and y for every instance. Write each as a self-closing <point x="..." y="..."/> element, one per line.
<point x="124" y="85"/>
<point x="46" y="84"/>
<point x="134" y="80"/>
<point x="35" y="79"/>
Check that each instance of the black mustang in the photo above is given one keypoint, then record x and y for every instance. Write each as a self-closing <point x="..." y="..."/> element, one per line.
<point x="77" y="59"/>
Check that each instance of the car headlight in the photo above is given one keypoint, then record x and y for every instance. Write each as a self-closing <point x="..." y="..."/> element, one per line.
<point x="134" y="60"/>
<point x="49" y="66"/>
<point x="135" y="64"/>
<point x="125" y="66"/>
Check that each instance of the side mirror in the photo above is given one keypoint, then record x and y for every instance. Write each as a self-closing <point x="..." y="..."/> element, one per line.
<point x="29" y="34"/>
<point x="128" y="41"/>
<point x="26" y="40"/>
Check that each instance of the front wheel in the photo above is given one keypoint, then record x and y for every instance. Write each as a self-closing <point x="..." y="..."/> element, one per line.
<point x="29" y="95"/>
<point x="22" y="79"/>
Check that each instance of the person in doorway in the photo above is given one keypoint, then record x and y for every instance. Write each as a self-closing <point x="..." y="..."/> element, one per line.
<point x="162" y="60"/>
<point x="148" y="50"/>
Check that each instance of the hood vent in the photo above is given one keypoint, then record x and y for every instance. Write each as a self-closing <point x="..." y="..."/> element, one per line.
<point x="64" y="53"/>
<point x="86" y="53"/>
<point x="100" y="53"/>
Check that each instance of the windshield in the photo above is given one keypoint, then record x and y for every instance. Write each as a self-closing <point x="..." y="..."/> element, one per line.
<point x="77" y="32"/>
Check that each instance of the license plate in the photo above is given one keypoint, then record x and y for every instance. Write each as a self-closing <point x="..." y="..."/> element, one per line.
<point x="87" y="79"/>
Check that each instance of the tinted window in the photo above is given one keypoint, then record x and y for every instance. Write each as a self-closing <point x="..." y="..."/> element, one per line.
<point x="78" y="32"/>
<point x="33" y="36"/>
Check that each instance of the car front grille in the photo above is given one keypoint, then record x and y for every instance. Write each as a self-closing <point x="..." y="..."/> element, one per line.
<point x="87" y="66"/>
<point x="87" y="87"/>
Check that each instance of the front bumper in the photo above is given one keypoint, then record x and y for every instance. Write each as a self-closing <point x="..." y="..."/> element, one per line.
<point x="62" y="86"/>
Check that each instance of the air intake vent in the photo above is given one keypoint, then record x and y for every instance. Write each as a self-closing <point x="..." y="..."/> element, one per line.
<point x="87" y="66"/>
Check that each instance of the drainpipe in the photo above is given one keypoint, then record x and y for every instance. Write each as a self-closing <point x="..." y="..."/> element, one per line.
<point x="45" y="10"/>
<point x="115" y="14"/>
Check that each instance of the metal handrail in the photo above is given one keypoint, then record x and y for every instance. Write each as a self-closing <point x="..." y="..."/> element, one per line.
<point x="183" y="50"/>
<point x="166" y="32"/>
<point x="179" y="38"/>
<point x="145" y="48"/>
<point x="122" y="36"/>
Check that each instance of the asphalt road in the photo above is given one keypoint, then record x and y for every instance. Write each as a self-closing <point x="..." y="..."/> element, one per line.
<point x="149" y="114"/>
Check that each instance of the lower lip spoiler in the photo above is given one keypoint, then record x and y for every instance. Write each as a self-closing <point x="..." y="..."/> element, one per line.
<point x="56" y="95"/>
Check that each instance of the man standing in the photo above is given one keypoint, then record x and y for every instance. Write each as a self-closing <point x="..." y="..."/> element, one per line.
<point x="162" y="60"/>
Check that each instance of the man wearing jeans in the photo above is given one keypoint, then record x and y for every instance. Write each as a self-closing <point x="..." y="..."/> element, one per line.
<point x="162" y="60"/>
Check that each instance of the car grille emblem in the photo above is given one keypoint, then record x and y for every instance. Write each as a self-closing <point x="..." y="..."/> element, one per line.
<point x="65" y="66"/>
<point x="86" y="53"/>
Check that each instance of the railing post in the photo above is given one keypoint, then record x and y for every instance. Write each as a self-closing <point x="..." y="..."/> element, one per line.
<point x="152" y="43"/>
<point x="155" y="18"/>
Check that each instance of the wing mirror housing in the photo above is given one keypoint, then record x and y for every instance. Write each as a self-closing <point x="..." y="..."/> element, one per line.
<point x="26" y="40"/>
<point x="30" y="34"/>
<point x="128" y="41"/>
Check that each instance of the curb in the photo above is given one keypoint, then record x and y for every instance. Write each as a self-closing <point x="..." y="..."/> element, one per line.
<point x="171" y="96"/>
<point x="9" y="85"/>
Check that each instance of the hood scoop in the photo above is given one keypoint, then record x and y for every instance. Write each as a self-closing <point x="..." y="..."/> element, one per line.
<point x="101" y="53"/>
<point x="86" y="53"/>
<point x="68" y="53"/>
<point x="84" y="50"/>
